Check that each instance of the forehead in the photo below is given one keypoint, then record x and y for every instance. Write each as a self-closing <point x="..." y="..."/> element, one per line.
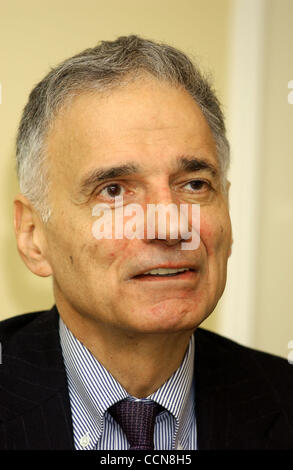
<point x="147" y="121"/>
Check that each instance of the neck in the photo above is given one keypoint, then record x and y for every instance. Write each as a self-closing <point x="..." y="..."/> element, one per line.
<point x="140" y="362"/>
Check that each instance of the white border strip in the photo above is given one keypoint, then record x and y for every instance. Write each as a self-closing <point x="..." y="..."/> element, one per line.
<point x="244" y="132"/>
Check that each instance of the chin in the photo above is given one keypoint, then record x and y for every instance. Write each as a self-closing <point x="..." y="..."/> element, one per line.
<point x="167" y="319"/>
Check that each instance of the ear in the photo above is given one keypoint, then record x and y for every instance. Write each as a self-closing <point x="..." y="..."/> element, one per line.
<point x="31" y="242"/>
<point x="227" y="189"/>
<point x="230" y="249"/>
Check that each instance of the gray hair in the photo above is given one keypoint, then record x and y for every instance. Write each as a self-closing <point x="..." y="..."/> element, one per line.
<point x="108" y="65"/>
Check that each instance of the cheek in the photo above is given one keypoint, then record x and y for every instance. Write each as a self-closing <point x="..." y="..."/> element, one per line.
<point x="208" y="235"/>
<point x="215" y="233"/>
<point x="108" y="252"/>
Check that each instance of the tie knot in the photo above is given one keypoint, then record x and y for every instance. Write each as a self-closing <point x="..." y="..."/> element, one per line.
<point x="137" y="420"/>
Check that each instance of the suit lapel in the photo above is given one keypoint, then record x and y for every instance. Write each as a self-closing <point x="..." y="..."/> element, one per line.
<point x="35" y="398"/>
<point x="234" y="407"/>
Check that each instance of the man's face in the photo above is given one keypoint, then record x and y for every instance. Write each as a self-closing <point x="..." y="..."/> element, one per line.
<point x="149" y="129"/>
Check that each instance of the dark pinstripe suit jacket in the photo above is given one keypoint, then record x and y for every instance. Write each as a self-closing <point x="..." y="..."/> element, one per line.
<point x="244" y="398"/>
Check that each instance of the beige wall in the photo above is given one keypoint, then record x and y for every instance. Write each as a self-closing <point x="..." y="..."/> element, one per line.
<point x="36" y="35"/>
<point x="274" y="302"/>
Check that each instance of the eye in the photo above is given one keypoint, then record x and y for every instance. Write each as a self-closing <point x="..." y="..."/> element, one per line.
<point x="197" y="185"/>
<point x="112" y="190"/>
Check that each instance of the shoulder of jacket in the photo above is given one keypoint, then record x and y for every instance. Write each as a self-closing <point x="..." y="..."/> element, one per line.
<point x="267" y="364"/>
<point x="18" y="324"/>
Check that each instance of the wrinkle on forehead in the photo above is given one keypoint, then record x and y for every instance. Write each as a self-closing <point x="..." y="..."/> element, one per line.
<point x="128" y="124"/>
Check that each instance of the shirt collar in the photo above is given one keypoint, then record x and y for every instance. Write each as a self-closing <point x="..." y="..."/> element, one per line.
<point x="177" y="394"/>
<point x="95" y="389"/>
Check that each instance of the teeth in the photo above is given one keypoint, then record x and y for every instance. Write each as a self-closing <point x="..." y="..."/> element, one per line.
<point x="163" y="271"/>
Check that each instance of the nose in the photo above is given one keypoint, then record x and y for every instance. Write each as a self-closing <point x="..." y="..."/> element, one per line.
<point x="162" y="217"/>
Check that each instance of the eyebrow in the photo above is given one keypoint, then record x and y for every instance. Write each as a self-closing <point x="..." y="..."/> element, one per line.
<point x="189" y="164"/>
<point x="99" y="175"/>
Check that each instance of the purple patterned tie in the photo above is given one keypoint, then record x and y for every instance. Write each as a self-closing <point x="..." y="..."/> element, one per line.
<point x="137" y="420"/>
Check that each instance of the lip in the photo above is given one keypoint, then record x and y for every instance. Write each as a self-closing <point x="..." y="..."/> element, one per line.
<point x="184" y="276"/>
<point x="166" y="266"/>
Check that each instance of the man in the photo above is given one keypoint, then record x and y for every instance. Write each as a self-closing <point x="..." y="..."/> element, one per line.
<point x="119" y="362"/>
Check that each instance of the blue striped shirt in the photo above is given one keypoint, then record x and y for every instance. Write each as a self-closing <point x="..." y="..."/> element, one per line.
<point x="92" y="390"/>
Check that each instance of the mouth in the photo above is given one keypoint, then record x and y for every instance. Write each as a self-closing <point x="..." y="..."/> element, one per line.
<point x="164" y="274"/>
